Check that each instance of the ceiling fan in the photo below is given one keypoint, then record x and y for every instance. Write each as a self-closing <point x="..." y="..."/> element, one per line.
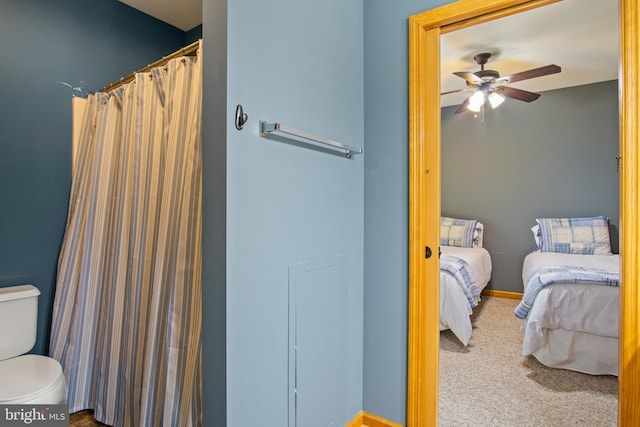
<point x="488" y="85"/>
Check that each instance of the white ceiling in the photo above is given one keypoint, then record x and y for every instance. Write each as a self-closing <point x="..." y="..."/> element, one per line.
<point x="580" y="36"/>
<point x="183" y="14"/>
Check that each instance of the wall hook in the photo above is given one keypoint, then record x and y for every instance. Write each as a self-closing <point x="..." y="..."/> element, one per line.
<point x="241" y="117"/>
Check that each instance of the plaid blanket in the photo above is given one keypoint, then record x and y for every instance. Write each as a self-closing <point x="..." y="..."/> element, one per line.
<point x="459" y="269"/>
<point x="552" y="275"/>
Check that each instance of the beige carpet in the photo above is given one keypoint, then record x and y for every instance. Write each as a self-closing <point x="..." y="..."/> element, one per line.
<point x="490" y="383"/>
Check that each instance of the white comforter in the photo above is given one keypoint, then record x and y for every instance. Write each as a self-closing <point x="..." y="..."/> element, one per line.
<point x="454" y="306"/>
<point x="590" y="308"/>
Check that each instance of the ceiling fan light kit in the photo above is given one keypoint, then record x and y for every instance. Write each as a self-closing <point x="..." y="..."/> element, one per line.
<point x="487" y="85"/>
<point x="476" y="101"/>
<point x="495" y="99"/>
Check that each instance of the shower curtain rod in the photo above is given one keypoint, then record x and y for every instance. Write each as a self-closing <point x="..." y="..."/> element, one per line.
<point x="185" y="51"/>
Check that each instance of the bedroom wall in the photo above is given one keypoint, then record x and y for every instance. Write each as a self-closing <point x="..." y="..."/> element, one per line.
<point x="294" y="215"/>
<point x="48" y="50"/>
<point x="555" y="157"/>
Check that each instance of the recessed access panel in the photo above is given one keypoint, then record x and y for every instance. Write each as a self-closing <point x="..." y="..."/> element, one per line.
<point x="318" y="343"/>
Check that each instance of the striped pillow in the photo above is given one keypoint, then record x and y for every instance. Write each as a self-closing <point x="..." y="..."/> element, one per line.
<point x="586" y="236"/>
<point x="457" y="232"/>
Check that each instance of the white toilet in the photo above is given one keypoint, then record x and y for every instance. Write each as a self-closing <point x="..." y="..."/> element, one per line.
<point x="25" y="378"/>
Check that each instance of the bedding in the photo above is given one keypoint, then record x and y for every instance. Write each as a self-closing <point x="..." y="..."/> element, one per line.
<point x="457" y="232"/>
<point x="464" y="273"/>
<point x="586" y="236"/>
<point x="570" y="309"/>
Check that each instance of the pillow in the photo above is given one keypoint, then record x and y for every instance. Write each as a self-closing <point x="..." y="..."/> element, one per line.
<point x="457" y="232"/>
<point x="587" y="236"/>
<point x="536" y="235"/>
<point x="478" y="235"/>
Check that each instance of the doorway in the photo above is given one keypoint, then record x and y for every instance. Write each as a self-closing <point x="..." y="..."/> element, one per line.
<point x="424" y="198"/>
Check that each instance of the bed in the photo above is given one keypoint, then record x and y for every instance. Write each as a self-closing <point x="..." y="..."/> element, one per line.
<point x="570" y="307"/>
<point x="465" y="270"/>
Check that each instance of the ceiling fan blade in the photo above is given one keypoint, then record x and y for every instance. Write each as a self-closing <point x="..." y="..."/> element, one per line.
<point x="519" y="94"/>
<point x="471" y="78"/>
<point x="530" y="74"/>
<point x="456" y="91"/>
<point x="462" y="107"/>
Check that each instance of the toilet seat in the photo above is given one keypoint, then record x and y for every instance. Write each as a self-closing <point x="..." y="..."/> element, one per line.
<point x="32" y="378"/>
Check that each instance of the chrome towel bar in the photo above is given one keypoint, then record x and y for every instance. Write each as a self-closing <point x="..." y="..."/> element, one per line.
<point x="268" y="128"/>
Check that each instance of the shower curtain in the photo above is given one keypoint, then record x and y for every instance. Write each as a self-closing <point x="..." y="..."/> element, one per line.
<point x="127" y="312"/>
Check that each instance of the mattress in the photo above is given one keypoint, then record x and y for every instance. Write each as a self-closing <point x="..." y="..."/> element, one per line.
<point x="568" y="324"/>
<point x="455" y="308"/>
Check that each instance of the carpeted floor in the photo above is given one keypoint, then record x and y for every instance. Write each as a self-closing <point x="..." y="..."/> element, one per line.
<point x="490" y="383"/>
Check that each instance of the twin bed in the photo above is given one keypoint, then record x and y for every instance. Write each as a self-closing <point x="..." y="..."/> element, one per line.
<point x="570" y="307"/>
<point x="465" y="270"/>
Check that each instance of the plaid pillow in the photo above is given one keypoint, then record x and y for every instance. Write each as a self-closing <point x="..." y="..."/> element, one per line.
<point x="586" y="236"/>
<point x="457" y="232"/>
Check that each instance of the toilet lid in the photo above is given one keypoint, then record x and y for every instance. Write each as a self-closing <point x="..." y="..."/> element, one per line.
<point x="27" y="375"/>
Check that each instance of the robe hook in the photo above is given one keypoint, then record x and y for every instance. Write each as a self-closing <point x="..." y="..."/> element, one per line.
<point x="241" y="117"/>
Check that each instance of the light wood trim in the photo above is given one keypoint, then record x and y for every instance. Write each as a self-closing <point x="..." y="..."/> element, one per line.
<point x="512" y="10"/>
<point x="424" y="208"/>
<point x="629" y="375"/>
<point x="464" y="13"/>
<point x="424" y="144"/>
<point x="357" y="421"/>
<point x="365" y="419"/>
<point x="502" y="294"/>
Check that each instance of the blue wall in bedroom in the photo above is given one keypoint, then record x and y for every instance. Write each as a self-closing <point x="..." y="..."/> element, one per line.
<point x="47" y="49"/>
<point x="555" y="157"/>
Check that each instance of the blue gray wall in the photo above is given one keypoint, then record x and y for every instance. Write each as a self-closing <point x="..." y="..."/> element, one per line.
<point x="386" y="88"/>
<point x="290" y="207"/>
<point x="193" y="34"/>
<point x="555" y="157"/>
<point x="48" y="49"/>
<point x="214" y="212"/>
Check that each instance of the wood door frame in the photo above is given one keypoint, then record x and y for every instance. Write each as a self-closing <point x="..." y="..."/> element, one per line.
<point x="424" y="198"/>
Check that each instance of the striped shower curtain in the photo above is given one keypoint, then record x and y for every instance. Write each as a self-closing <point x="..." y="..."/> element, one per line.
<point x="127" y="312"/>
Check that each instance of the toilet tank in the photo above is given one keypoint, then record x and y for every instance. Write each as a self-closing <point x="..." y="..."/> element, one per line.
<point x="18" y="320"/>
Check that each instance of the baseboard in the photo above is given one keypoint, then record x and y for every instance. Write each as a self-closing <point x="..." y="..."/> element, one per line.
<point x="502" y="294"/>
<point x="365" y="419"/>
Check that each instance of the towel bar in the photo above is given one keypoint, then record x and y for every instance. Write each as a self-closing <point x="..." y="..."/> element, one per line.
<point x="268" y="128"/>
